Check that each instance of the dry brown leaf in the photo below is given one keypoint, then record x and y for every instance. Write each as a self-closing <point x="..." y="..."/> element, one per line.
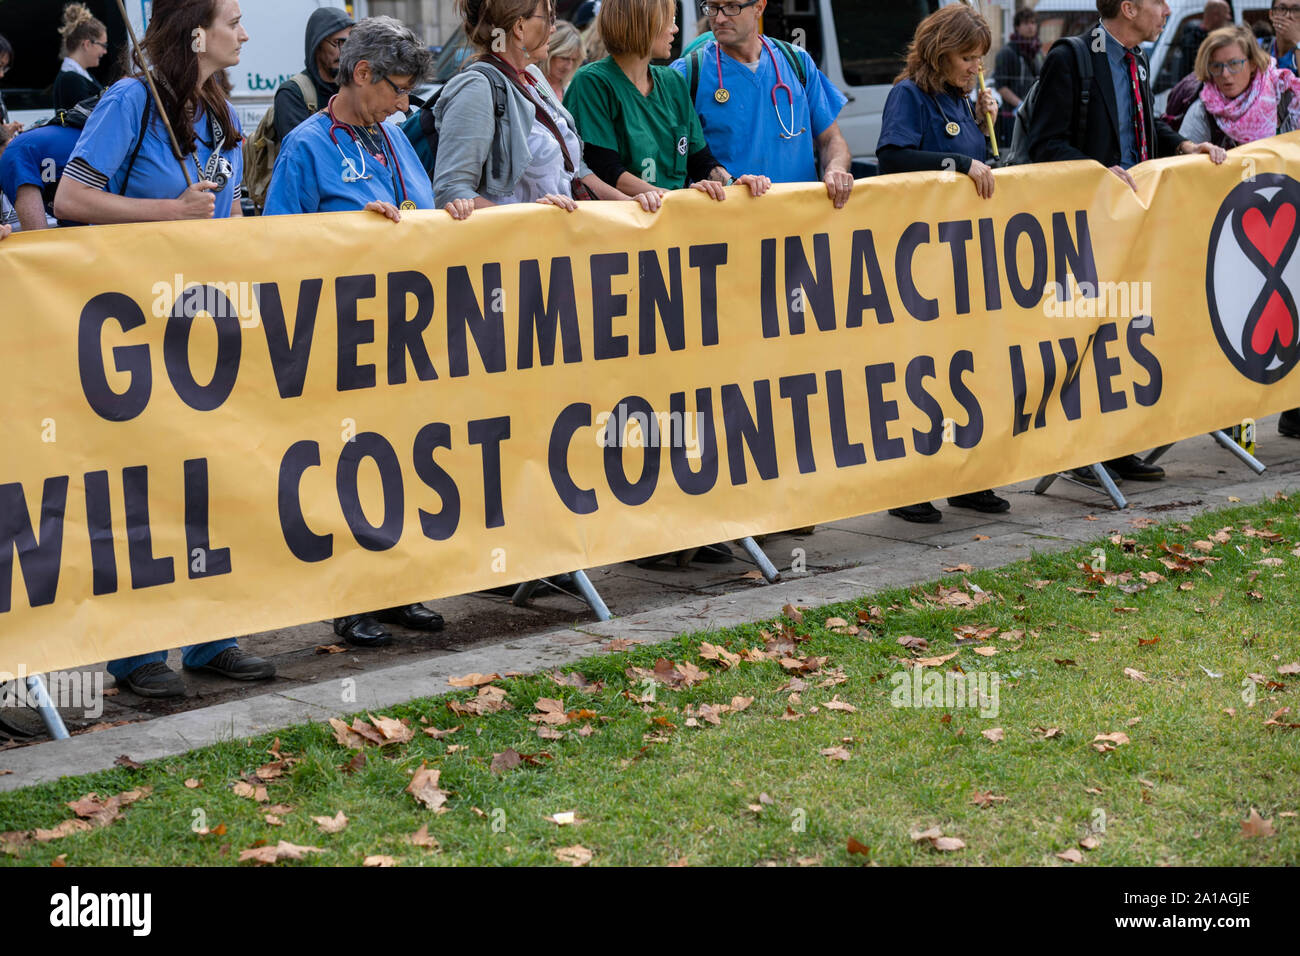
<point x="836" y="704"/>
<point x="985" y="651"/>
<point x="934" y="661"/>
<point x="424" y="788"/>
<point x="1090" y="843"/>
<point x="619" y="644"/>
<point x="1135" y="674"/>
<point x="244" y="789"/>
<point x="345" y="736"/>
<point x="985" y="798"/>
<point x="191" y="784"/>
<point x="421" y="838"/>
<point x="860" y="849"/>
<point x="1070" y="856"/>
<point x="330" y="648"/>
<point x="273" y="820"/>
<point x="334" y="824"/>
<point x="994" y="735"/>
<point x="508" y="759"/>
<point x="958" y="569"/>
<point x="1289" y="670"/>
<point x="281" y="851"/>
<point x="914" y="643"/>
<point x="437" y="734"/>
<point x="793" y="613"/>
<point x="574" y="855"/>
<point x="473" y="680"/>
<point x="1256" y="826"/>
<point x="1048" y="732"/>
<point x="549" y="733"/>
<point x="124" y="761"/>
<point x="379" y="860"/>
<point x="836" y="753"/>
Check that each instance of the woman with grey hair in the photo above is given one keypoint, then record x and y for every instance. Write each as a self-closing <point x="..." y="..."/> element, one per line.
<point x="534" y="152"/>
<point x="345" y="157"/>
<point x="565" y="54"/>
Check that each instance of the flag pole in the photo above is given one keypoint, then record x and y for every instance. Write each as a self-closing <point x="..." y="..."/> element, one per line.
<point x="153" y="91"/>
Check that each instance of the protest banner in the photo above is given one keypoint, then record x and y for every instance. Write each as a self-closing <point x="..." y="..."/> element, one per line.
<point x="217" y="428"/>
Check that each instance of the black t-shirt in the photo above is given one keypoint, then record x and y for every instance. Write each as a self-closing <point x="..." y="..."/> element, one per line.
<point x="70" y="88"/>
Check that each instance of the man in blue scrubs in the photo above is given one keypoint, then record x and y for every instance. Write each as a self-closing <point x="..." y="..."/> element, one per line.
<point x="30" y="169"/>
<point x="764" y="106"/>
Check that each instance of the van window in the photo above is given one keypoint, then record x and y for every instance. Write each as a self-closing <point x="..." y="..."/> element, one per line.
<point x="1180" y="57"/>
<point x="873" y="42"/>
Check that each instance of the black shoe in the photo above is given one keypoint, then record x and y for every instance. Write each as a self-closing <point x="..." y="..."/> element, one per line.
<point x="1133" y="468"/>
<point x="714" y="554"/>
<point x="154" y="679"/>
<point x="1086" y="476"/>
<point x="237" y="665"/>
<point x="985" y="501"/>
<point x="1288" y="423"/>
<point x="924" y="513"/>
<point x="415" y="616"/>
<point x="362" y="630"/>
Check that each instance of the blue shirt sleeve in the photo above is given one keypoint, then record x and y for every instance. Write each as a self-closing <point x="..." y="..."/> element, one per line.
<point x="903" y="121"/>
<point x="293" y="178"/>
<point x="824" y="100"/>
<point x="26" y="162"/>
<point x="113" y="128"/>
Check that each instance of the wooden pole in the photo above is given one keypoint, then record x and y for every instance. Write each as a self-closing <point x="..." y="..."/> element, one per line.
<point x="153" y="91"/>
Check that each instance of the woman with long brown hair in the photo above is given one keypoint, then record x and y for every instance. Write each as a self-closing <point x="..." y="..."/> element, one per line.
<point x="929" y="124"/>
<point x="124" y="170"/>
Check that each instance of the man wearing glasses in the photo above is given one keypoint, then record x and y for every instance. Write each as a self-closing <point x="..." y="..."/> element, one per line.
<point x="327" y="31"/>
<point x="1285" y="17"/>
<point x="764" y="106"/>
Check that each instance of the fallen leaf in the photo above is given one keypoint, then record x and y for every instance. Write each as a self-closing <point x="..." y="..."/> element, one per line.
<point x="1049" y="732"/>
<point x="836" y="753"/>
<point x="473" y="680"/>
<point x="619" y="644"/>
<point x="1070" y="856"/>
<point x="914" y="643"/>
<point x="958" y="569"/>
<point x="986" y="651"/>
<point x="334" y="824"/>
<point x="330" y="648"/>
<point x="1090" y="843"/>
<point x="281" y="851"/>
<point x="549" y="733"/>
<point x="1148" y="643"/>
<point x="508" y="759"/>
<point x="244" y="789"/>
<point x="861" y="849"/>
<point x="574" y="855"/>
<point x="124" y="761"/>
<point x="836" y="704"/>
<point x="985" y="798"/>
<point x="739" y="703"/>
<point x="421" y="838"/>
<point x="437" y="734"/>
<point x="424" y="788"/>
<point x="1135" y="674"/>
<point x="357" y="762"/>
<point x="379" y="860"/>
<point x="979" y="537"/>
<point x="1256" y="826"/>
<point x="1104" y="743"/>
<point x="273" y="820"/>
<point x="934" y="661"/>
<point x="1288" y="670"/>
<point x="345" y="736"/>
<point x="192" y="784"/>
<point x="393" y="731"/>
<point x="995" y="735"/>
<point x="793" y="613"/>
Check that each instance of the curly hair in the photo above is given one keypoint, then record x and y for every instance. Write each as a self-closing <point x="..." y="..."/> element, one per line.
<point x="954" y="29"/>
<point x="79" y="25"/>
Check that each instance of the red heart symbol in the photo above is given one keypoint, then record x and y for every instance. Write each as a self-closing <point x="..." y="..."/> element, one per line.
<point x="1274" y="322"/>
<point x="1270" y="238"/>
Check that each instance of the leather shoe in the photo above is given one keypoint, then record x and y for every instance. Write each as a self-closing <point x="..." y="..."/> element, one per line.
<point x="362" y="630"/>
<point x="985" y="501"/>
<point x="1288" y="423"/>
<point x="415" y="616"/>
<point x="237" y="664"/>
<point x="924" y="513"/>
<point x="1133" y="468"/>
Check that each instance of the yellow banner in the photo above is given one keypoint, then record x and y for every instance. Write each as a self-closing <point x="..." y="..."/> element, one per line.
<point x="213" y="429"/>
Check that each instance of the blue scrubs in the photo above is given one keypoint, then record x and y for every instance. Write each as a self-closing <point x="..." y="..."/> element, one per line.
<point x="744" y="133"/>
<point x="110" y="136"/>
<point x="37" y="158"/>
<point x="913" y="119"/>
<point x="309" y="172"/>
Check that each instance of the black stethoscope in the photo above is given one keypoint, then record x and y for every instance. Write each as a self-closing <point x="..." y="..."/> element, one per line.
<point x="350" y="172"/>
<point x="723" y="95"/>
<point x="951" y="127"/>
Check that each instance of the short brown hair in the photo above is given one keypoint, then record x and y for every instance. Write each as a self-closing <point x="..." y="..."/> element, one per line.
<point x="953" y="29"/>
<point x="1226" y="36"/>
<point x="482" y="18"/>
<point x="629" y="27"/>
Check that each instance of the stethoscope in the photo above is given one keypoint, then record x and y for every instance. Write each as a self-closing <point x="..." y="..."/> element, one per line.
<point x="723" y="95"/>
<point x="951" y="128"/>
<point x="350" y="172"/>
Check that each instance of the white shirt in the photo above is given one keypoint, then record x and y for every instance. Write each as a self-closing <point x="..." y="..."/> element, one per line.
<point x="73" y="66"/>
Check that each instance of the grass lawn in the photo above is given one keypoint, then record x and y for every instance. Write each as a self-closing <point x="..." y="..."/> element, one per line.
<point x="1160" y="654"/>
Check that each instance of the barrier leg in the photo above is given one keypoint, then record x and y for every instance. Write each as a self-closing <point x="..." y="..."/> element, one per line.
<point x="1103" y="476"/>
<point x="1156" y="454"/>
<point x="589" y="594"/>
<point x="1044" y="483"/>
<point x="1245" y="457"/>
<point x="523" y="593"/>
<point x="761" y="559"/>
<point x="44" y="706"/>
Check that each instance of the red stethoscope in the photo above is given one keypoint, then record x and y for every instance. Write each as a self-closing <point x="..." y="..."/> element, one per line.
<point x="723" y="95"/>
<point x="350" y="172"/>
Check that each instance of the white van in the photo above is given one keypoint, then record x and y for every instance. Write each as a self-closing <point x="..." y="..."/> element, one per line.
<point x="273" y="54"/>
<point x="860" y="46"/>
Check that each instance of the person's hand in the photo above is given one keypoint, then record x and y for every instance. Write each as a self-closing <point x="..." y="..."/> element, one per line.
<point x="460" y="208"/>
<point x="757" y="184"/>
<point x="711" y="188"/>
<point x="839" y="185"/>
<point x="982" y="176"/>
<point x="384" y="209"/>
<point x="1122" y="173"/>
<point x="1217" y="154"/>
<point x="13" y="129"/>
<point x="5" y="231"/>
<point x="986" y="106"/>
<point x="567" y="203"/>
<point x="199" y="201"/>
<point x="651" y="200"/>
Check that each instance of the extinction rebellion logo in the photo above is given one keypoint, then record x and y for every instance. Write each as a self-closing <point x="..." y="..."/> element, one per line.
<point x="1251" y="274"/>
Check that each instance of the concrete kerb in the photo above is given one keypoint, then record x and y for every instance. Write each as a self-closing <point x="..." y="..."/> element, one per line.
<point x="904" y="564"/>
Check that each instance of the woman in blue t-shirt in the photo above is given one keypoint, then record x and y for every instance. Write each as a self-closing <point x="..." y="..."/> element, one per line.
<point x="123" y="169"/>
<point x="929" y="124"/>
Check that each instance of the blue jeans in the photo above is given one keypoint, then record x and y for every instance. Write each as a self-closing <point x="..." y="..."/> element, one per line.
<point x="195" y="655"/>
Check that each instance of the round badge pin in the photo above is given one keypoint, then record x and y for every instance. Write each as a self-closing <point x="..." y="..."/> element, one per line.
<point x="952" y="129"/>
<point x="407" y="206"/>
<point x="722" y="95"/>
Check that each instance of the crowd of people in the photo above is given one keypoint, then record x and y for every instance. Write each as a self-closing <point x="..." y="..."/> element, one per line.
<point x="545" y="113"/>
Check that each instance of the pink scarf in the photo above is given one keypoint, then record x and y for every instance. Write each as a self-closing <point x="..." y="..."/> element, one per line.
<point x="1253" y="114"/>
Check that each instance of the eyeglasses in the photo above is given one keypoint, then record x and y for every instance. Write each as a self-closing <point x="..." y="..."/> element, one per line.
<point x="399" y="90"/>
<point x="543" y="16"/>
<point x="337" y="44"/>
<point x="711" y="10"/>
<point x="100" y="43"/>
<point x="1285" y="10"/>
<point x="1232" y="67"/>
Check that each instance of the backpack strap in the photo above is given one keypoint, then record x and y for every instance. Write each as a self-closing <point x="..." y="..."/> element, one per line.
<point x="308" y="89"/>
<point x="144" y="127"/>
<point x="693" y="70"/>
<point x="796" y="61"/>
<point x="497" y="80"/>
<point x="1083" y="60"/>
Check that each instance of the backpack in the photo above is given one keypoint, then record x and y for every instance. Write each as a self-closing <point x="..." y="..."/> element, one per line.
<point x="1181" y="97"/>
<point x="1018" y="154"/>
<point x="261" y="149"/>
<point x="73" y="118"/>
<point x="422" y="131"/>
<point x="696" y="59"/>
